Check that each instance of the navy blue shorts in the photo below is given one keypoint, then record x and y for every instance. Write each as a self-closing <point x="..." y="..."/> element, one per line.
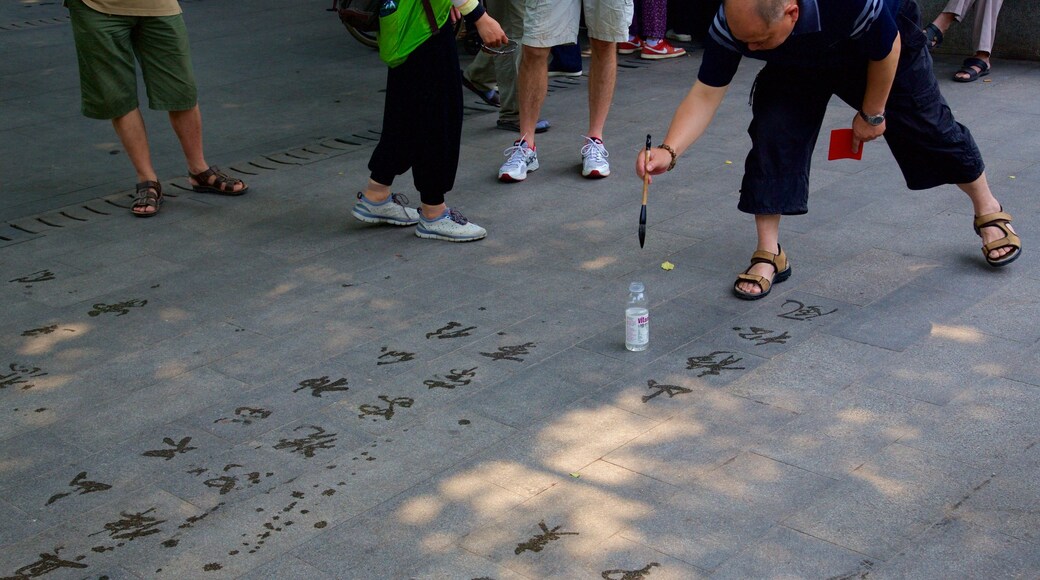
<point x="789" y="104"/>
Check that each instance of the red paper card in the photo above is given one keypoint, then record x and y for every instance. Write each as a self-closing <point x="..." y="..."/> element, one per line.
<point x="841" y="146"/>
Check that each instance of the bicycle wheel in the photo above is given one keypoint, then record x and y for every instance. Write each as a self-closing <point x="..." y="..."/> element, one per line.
<point x="366" y="38"/>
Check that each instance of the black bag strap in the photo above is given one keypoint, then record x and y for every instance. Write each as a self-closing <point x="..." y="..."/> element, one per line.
<point x="430" y="17"/>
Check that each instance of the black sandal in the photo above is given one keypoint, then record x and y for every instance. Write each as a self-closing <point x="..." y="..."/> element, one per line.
<point x="213" y="180"/>
<point x="934" y="36"/>
<point x="973" y="68"/>
<point x="148" y="195"/>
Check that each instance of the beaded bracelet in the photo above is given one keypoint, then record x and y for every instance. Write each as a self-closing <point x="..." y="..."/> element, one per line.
<point x="671" y="152"/>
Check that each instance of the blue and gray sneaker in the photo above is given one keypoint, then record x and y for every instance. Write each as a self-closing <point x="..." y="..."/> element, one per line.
<point x="451" y="226"/>
<point x="394" y="211"/>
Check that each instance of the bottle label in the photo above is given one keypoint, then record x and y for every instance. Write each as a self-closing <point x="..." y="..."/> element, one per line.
<point x="637" y="329"/>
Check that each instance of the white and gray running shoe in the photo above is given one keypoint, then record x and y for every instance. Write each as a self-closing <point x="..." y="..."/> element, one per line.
<point x="594" y="159"/>
<point x="393" y="210"/>
<point x="521" y="159"/>
<point x="451" y="226"/>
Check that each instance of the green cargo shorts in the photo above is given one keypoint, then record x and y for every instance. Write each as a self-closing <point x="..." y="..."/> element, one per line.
<point x="106" y="46"/>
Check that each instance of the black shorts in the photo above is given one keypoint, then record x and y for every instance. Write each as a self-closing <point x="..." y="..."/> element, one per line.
<point x="789" y="104"/>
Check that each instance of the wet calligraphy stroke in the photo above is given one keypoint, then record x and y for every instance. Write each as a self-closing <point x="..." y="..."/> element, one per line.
<point x="20" y="375"/>
<point x="639" y="574"/>
<point x="802" y="312"/>
<point x="38" y="276"/>
<point x="323" y="385"/>
<point x="456" y="378"/>
<point x="246" y="415"/>
<point x="376" y="411"/>
<point x="119" y="309"/>
<point x="81" y="484"/>
<point x="228" y="482"/>
<point x="44" y="330"/>
<point x="538" y="543"/>
<point x="46" y="564"/>
<point x="132" y="526"/>
<point x="401" y="356"/>
<point x="712" y="366"/>
<point x="672" y="390"/>
<point x="307" y="446"/>
<point x="761" y="335"/>
<point x="443" y="332"/>
<point x="179" y="447"/>
<point x="510" y="352"/>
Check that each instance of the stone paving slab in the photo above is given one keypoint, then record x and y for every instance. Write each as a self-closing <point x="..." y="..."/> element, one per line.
<point x="888" y="501"/>
<point x="873" y="417"/>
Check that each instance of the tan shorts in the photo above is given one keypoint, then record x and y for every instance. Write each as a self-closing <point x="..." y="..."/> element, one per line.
<point x="548" y="23"/>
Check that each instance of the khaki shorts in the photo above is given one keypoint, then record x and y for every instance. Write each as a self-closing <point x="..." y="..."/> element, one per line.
<point x="548" y="23"/>
<point x="106" y="47"/>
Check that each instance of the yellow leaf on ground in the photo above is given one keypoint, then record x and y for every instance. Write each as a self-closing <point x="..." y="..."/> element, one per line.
<point x="667" y="266"/>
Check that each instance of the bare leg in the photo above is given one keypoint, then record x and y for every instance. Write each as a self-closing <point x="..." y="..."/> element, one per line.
<point x="533" y="81"/>
<point x="768" y="227"/>
<point x="983" y="202"/>
<point x="944" y="20"/>
<point x="132" y="134"/>
<point x="188" y="127"/>
<point x="602" y="78"/>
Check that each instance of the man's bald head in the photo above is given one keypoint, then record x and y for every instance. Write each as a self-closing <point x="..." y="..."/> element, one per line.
<point x="761" y="24"/>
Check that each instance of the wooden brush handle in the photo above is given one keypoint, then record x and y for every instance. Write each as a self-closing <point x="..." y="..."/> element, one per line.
<point x="646" y="173"/>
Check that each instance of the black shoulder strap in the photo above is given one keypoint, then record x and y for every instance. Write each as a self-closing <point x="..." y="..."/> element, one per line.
<point x="430" y="17"/>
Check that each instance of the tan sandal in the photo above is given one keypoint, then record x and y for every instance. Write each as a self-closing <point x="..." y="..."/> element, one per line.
<point x="999" y="220"/>
<point x="781" y="272"/>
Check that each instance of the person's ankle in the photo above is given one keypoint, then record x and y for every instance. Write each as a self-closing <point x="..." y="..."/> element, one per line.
<point x="376" y="197"/>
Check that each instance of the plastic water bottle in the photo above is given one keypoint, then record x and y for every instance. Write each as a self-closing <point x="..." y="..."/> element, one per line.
<point x="637" y="318"/>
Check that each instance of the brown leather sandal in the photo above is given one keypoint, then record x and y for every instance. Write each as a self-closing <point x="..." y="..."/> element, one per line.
<point x="781" y="272"/>
<point x="1000" y="220"/>
<point x="148" y="195"/>
<point x="213" y="180"/>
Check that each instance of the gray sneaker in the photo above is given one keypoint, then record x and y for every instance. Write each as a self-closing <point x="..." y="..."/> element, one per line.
<point x="394" y="211"/>
<point x="451" y="226"/>
<point x="521" y="159"/>
<point x="594" y="159"/>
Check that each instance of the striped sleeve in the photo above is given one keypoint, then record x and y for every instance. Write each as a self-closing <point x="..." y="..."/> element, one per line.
<point x="721" y="54"/>
<point x="720" y="33"/>
<point x="875" y="28"/>
<point x="871" y="13"/>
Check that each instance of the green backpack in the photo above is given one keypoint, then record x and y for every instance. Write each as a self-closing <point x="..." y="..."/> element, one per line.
<point x="406" y="24"/>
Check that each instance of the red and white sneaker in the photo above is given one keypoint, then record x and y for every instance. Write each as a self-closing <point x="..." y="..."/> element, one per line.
<point x="663" y="49"/>
<point x="630" y="46"/>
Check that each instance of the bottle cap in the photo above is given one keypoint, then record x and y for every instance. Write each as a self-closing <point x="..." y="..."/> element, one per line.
<point x="636" y="287"/>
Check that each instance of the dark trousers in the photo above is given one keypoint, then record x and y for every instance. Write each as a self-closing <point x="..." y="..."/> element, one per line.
<point x="422" y="119"/>
<point x="789" y="104"/>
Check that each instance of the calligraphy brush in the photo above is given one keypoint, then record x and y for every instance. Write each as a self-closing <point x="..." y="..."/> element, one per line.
<point x="646" y="186"/>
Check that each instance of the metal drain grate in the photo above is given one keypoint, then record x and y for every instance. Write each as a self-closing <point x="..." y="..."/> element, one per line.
<point x="26" y="228"/>
<point x="34" y="24"/>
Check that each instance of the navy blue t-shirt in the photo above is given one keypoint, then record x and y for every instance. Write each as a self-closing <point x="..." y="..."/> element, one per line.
<point x="828" y="34"/>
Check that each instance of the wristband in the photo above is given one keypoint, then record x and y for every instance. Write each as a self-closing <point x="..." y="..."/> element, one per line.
<point x="671" y="152"/>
